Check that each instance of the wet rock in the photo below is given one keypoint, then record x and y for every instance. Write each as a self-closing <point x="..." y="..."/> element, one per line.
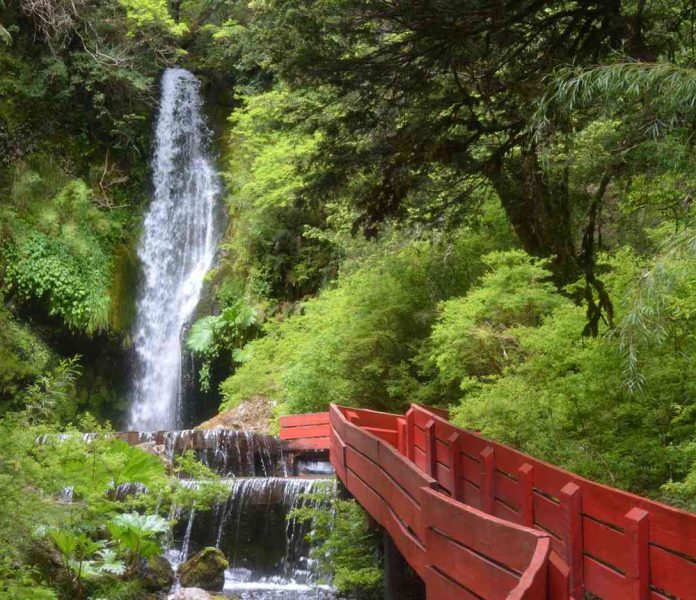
<point x="190" y="593"/>
<point x="158" y="450"/>
<point x="205" y="570"/>
<point x="255" y="414"/>
<point x="157" y="574"/>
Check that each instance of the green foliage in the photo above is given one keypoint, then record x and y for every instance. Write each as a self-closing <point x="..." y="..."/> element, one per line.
<point x="474" y="336"/>
<point x="37" y="465"/>
<point x="346" y="550"/>
<point x="355" y="341"/>
<point x="59" y="255"/>
<point x="50" y="397"/>
<point x="211" y="335"/>
<point x="576" y="401"/>
<point x="23" y="357"/>
<point x="149" y="14"/>
<point x="269" y="245"/>
<point x="137" y="535"/>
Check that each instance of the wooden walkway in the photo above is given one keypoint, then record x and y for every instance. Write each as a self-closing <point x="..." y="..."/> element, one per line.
<point x="477" y="519"/>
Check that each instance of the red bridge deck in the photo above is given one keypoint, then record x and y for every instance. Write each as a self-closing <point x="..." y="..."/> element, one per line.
<point x="476" y="519"/>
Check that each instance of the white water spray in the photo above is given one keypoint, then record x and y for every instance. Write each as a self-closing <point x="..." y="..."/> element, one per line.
<point x="176" y="250"/>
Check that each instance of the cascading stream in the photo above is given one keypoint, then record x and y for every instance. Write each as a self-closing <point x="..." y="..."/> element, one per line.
<point x="176" y="250"/>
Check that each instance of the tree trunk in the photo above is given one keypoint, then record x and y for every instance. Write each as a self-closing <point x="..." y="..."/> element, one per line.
<point x="539" y="215"/>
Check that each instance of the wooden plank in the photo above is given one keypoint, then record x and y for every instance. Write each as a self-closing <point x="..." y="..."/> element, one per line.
<point x="558" y="578"/>
<point x="440" y="587"/>
<point x="533" y="584"/>
<point x="470" y="570"/>
<point x="371" y="418"/>
<point x="571" y="508"/>
<point x="442" y="451"/>
<point x="419" y="459"/>
<point x="401" y="437"/>
<point x="671" y="573"/>
<point x="337" y="456"/>
<point x="506" y="543"/>
<point x="471" y="469"/>
<point x="430" y="451"/>
<point x="305" y="431"/>
<point x="362" y="441"/>
<point x="304" y="419"/>
<point x="404" y="505"/>
<point x="388" y="435"/>
<point x="442" y="413"/>
<point x="472" y="495"/>
<point x="321" y="443"/>
<point x="404" y="473"/>
<point x="503" y="511"/>
<point x="602" y="580"/>
<point x="606" y="544"/>
<point x="456" y="485"/>
<point x="373" y="504"/>
<point x="419" y="437"/>
<point x="638" y="568"/>
<point x="410" y="440"/>
<point x="487" y="465"/>
<point x="547" y="515"/>
<point x="443" y="476"/>
<point x="507" y="489"/>
<point x="337" y="421"/>
<point x="525" y="476"/>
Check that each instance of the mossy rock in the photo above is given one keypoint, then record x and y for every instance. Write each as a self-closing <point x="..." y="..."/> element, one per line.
<point x="157" y="574"/>
<point x="205" y="570"/>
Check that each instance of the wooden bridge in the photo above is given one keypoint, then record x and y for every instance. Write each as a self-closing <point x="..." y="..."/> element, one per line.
<point x="478" y="520"/>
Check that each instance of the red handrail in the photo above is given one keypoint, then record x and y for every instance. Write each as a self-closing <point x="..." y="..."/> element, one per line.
<point x="459" y="552"/>
<point x="602" y="540"/>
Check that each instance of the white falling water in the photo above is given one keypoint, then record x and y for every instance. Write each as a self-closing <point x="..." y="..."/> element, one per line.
<point x="176" y="250"/>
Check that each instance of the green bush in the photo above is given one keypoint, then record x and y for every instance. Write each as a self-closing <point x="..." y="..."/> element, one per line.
<point x="355" y="342"/>
<point x="60" y="256"/>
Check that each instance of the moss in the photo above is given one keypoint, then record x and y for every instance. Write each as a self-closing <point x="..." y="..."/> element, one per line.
<point x="205" y="570"/>
<point x="123" y="288"/>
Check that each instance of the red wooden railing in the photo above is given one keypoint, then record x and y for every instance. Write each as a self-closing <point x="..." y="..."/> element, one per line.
<point x="472" y="516"/>
<point x="305" y="432"/>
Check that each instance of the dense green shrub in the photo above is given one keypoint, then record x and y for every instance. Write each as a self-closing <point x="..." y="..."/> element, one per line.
<point x="347" y="552"/>
<point x="60" y="255"/>
<point x="354" y="343"/>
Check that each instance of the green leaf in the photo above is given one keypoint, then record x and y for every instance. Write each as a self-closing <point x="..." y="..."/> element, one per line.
<point x="201" y="339"/>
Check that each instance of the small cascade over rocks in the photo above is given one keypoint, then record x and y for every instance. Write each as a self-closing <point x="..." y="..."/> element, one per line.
<point x="267" y="551"/>
<point x="225" y="451"/>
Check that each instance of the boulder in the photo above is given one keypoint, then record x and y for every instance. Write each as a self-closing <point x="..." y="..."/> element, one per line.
<point x="157" y="574"/>
<point x="190" y="593"/>
<point x="205" y="570"/>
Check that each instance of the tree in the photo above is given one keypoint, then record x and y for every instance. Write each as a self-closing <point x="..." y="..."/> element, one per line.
<point x="442" y="83"/>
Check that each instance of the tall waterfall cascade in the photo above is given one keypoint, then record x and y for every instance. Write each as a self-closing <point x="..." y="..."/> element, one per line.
<point x="176" y="250"/>
<point x="255" y="526"/>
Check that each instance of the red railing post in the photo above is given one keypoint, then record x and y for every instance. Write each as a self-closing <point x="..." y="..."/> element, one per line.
<point x="525" y="477"/>
<point x="430" y="449"/>
<point x="487" y="457"/>
<point x="571" y="503"/>
<point x="410" y="440"/>
<point x="402" y="436"/>
<point x="638" y="569"/>
<point x="455" y="456"/>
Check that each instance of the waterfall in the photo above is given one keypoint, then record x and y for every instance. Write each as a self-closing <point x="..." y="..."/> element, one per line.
<point x="176" y="249"/>
<point x="264" y="547"/>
